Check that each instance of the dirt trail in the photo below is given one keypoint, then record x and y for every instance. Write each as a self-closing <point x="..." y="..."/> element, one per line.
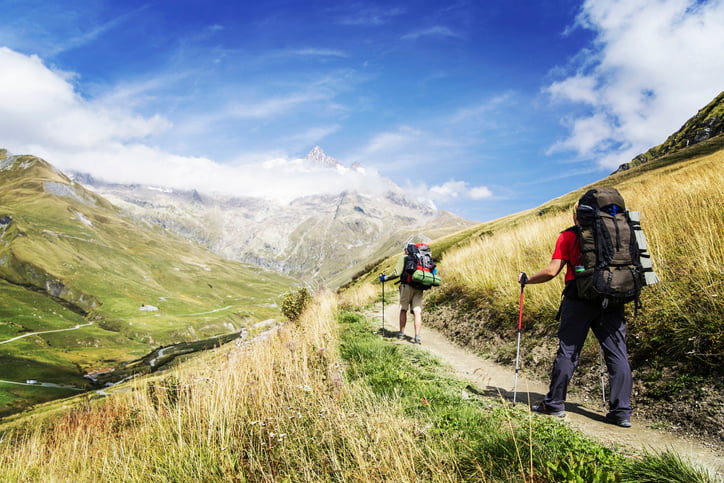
<point x="493" y="378"/>
<point x="45" y="332"/>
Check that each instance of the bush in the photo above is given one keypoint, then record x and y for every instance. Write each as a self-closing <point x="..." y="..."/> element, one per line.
<point x="294" y="303"/>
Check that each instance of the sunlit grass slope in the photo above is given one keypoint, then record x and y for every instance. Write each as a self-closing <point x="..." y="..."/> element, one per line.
<point x="676" y="343"/>
<point x="682" y="216"/>
<point x="67" y="258"/>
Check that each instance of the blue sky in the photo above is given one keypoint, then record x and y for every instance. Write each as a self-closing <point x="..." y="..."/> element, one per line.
<point x="485" y="107"/>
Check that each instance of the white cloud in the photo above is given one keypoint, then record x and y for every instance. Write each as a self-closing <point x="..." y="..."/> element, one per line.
<point x="578" y="88"/>
<point x="395" y="141"/>
<point x="39" y="106"/>
<point x="480" y="193"/>
<point x="589" y="135"/>
<point x="448" y="190"/>
<point x="654" y="64"/>
<point x="451" y="190"/>
<point x="42" y="114"/>
<point x="436" y="31"/>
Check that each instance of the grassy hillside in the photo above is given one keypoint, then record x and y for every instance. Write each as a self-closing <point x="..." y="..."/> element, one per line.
<point x="68" y="259"/>
<point x="676" y="343"/>
<point x="325" y="399"/>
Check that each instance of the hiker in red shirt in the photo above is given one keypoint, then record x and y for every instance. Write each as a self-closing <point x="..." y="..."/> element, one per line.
<point x="576" y="317"/>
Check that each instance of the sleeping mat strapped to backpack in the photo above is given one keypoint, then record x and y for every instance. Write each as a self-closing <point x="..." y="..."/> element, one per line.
<point x="420" y="269"/>
<point x="614" y="262"/>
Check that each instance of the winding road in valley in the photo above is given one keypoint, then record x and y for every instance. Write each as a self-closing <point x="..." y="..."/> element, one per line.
<point x="45" y="332"/>
<point x="42" y="384"/>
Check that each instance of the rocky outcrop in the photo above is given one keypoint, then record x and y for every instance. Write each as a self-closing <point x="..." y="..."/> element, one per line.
<point x="706" y="124"/>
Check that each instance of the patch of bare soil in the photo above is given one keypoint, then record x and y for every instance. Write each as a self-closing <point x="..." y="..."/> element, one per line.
<point x="584" y="408"/>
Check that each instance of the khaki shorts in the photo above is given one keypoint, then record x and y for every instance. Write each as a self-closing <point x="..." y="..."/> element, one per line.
<point x="410" y="298"/>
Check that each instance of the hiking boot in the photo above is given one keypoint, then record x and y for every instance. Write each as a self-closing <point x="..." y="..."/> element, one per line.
<point x="620" y="422"/>
<point x="417" y="340"/>
<point x="541" y="408"/>
<point x="400" y="335"/>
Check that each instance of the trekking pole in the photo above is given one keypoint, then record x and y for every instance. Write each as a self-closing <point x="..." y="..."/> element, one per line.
<point x="603" y="380"/>
<point x="382" y="279"/>
<point x="517" y="351"/>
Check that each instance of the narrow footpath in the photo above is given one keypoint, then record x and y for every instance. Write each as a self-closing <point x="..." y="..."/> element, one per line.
<point x="587" y="417"/>
<point x="28" y="334"/>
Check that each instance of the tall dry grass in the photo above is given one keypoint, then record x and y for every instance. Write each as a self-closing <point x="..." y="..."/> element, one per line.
<point x="682" y="209"/>
<point x="360" y="295"/>
<point x="490" y="264"/>
<point x="683" y="216"/>
<point x="274" y="410"/>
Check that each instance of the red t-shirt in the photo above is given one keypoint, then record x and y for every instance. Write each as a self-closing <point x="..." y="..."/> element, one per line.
<point x="568" y="249"/>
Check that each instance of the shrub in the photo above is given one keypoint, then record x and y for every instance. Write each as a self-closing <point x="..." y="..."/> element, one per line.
<point x="294" y="303"/>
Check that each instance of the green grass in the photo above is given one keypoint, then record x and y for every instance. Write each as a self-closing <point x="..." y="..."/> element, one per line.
<point x="680" y="197"/>
<point x="57" y="271"/>
<point x="14" y="397"/>
<point x="667" y="467"/>
<point x="484" y="435"/>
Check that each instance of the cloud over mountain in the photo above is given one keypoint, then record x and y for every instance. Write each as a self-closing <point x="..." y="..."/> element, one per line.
<point x="46" y="116"/>
<point x="651" y="63"/>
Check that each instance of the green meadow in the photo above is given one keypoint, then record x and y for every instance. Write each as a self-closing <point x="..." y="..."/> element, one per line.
<point x="70" y="260"/>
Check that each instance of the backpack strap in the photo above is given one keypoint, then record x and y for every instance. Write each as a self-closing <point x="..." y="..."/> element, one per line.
<point x="570" y="286"/>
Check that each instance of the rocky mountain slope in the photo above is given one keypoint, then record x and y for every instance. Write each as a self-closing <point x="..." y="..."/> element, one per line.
<point x="706" y="124"/>
<point x="319" y="239"/>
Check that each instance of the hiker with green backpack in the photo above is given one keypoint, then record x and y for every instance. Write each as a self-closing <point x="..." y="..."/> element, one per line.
<point x="606" y="265"/>
<point x="417" y="272"/>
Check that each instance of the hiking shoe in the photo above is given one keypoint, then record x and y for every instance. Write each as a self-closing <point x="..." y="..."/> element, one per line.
<point x="400" y="335"/>
<point x="620" y="422"/>
<point x="417" y="340"/>
<point x="543" y="409"/>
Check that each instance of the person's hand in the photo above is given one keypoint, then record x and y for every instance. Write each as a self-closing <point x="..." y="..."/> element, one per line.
<point x="522" y="278"/>
<point x="382" y="277"/>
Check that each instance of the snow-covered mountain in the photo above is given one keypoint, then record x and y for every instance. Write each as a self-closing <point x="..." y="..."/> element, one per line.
<point x="318" y="157"/>
<point x="318" y="238"/>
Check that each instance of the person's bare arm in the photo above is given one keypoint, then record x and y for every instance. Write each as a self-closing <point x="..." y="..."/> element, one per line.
<point x="551" y="270"/>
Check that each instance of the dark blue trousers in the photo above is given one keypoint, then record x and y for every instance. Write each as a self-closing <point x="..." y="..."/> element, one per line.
<point x="609" y="327"/>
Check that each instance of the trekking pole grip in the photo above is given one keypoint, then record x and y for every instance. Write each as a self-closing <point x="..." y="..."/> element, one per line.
<point x="520" y="305"/>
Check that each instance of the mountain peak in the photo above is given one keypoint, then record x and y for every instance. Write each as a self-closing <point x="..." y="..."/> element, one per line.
<point x="318" y="157"/>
